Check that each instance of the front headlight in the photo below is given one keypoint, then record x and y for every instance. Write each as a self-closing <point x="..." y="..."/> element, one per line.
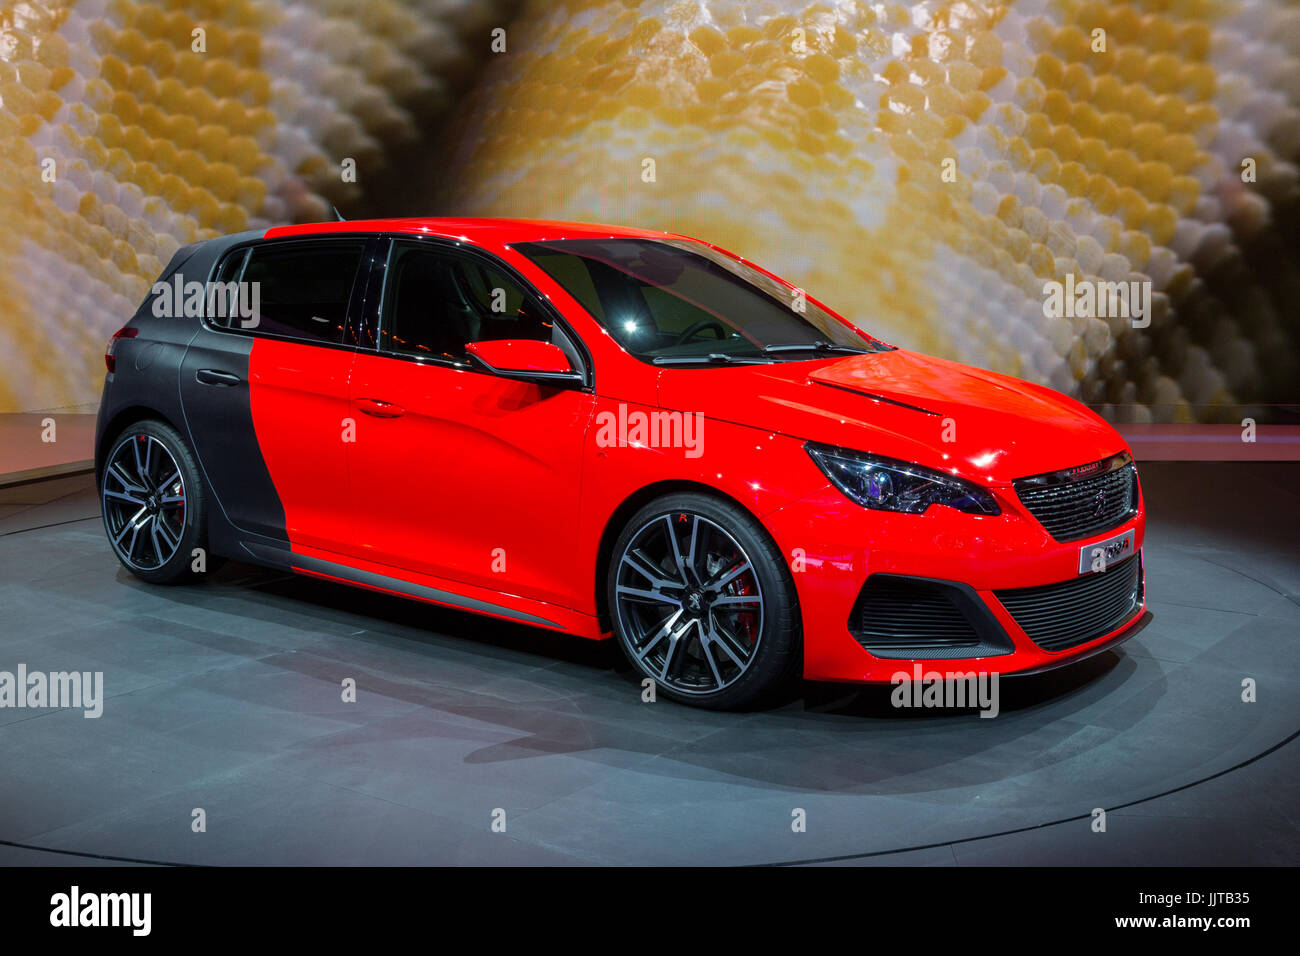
<point x="888" y="485"/>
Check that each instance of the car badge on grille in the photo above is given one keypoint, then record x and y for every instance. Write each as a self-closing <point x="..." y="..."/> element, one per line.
<point x="1100" y="507"/>
<point x="1083" y="471"/>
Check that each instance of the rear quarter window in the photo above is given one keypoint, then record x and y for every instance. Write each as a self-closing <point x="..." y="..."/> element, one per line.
<point x="302" y="290"/>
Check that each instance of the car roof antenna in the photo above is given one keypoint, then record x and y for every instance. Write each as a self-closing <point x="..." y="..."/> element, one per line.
<point x="338" y="215"/>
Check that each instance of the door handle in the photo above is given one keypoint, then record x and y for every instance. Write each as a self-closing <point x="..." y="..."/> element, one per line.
<point x="212" y="376"/>
<point x="379" y="408"/>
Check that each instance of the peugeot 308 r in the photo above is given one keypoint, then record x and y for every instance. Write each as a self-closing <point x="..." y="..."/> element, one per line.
<point x="611" y="431"/>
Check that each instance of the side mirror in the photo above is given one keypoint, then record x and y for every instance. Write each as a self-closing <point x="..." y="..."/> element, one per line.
<point x="525" y="359"/>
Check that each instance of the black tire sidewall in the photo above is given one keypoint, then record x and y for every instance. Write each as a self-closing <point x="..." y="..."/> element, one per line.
<point x="780" y="644"/>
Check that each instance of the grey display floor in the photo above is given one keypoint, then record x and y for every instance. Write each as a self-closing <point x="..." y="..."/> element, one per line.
<point x="226" y="696"/>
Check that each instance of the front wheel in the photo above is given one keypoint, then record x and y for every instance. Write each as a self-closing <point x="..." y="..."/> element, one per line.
<point x="152" y="502"/>
<point x="702" y="602"/>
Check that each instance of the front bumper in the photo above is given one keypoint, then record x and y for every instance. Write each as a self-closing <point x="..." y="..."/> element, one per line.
<point x="992" y="564"/>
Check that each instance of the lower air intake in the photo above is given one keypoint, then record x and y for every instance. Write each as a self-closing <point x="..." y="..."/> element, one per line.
<point x="1060" y="616"/>
<point x="903" y="617"/>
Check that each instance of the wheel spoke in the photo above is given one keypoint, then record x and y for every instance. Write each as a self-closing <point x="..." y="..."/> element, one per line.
<point x="142" y="464"/>
<point x="644" y="567"/>
<point x="127" y="525"/>
<point x="170" y="537"/>
<point x="655" y="597"/>
<point x="157" y="543"/>
<point x="675" y="547"/>
<point x="723" y="578"/>
<point x="692" y="557"/>
<point x="732" y="600"/>
<point x="124" y="479"/>
<point x="123" y="496"/>
<point x="664" y="630"/>
<point x="706" y="648"/>
<point x="136" y="528"/>
<point x="674" y="551"/>
<point x="730" y="645"/>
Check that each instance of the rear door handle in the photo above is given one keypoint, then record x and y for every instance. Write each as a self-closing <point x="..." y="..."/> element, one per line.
<point x="212" y="376"/>
<point x="379" y="408"/>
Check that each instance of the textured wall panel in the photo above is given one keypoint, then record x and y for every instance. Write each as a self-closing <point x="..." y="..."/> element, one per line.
<point x="810" y="137"/>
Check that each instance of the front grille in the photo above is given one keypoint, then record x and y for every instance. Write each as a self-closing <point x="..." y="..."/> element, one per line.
<point x="1080" y="502"/>
<point x="1065" y="615"/>
<point x="902" y="617"/>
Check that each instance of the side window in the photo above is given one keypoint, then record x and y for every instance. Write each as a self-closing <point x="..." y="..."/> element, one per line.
<point x="574" y="276"/>
<point x="436" y="302"/>
<point x="303" y="289"/>
<point x="225" y="308"/>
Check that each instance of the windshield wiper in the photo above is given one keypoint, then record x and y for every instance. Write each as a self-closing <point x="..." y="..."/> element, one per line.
<point x="710" y="359"/>
<point x="819" y="346"/>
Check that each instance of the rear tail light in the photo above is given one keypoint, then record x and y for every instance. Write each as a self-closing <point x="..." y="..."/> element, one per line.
<point x="124" y="333"/>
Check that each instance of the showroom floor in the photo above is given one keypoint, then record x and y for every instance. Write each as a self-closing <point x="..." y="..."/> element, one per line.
<point x="226" y="696"/>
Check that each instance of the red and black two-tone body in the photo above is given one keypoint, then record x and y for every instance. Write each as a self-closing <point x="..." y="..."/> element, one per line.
<point x="606" y="431"/>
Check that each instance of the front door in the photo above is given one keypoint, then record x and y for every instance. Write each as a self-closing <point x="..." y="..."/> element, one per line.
<point x="456" y="472"/>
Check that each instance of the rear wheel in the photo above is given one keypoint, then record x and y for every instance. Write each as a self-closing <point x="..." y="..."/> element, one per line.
<point x="152" y="502"/>
<point x="702" y="602"/>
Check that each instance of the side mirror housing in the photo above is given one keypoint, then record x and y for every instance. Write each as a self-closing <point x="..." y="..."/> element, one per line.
<point x="525" y="359"/>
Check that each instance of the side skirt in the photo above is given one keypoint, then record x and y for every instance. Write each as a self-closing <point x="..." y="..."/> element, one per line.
<point x="544" y="615"/>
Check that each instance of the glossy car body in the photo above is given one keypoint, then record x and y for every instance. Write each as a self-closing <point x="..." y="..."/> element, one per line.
<point x="491" y="492"/>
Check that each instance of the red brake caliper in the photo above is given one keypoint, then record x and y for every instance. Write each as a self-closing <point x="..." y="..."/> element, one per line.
<point x="746" y="621"/>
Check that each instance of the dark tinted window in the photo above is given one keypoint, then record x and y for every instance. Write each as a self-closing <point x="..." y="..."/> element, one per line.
<point x="437" y="301"/>
<point x="225" y="307"/>
<point x="670" y="299"/>
<point x="303" y="289"/>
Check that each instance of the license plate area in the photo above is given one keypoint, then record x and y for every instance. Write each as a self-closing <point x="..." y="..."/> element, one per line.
<point x="1107" y="553"/>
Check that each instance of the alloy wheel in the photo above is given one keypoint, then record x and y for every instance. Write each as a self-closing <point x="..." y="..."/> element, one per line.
<point x="144" y="502"/>
<point x="689" y="603"/>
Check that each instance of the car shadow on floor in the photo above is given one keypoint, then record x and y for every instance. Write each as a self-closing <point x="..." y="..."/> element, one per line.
<point x="558" y="695"/>
<point x="266" y="593"/>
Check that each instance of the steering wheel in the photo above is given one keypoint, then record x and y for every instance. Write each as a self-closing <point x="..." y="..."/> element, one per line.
<point x="695" y="328"/>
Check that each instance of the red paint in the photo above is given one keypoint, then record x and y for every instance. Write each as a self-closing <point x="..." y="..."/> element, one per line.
<point x="478" y="481"/>
<point x="299" y="399"/>
<point x="983" y="426"/>
<point x="843" y="543"/>
<point x="455" y="468"/>
<point x="520" y="355"/>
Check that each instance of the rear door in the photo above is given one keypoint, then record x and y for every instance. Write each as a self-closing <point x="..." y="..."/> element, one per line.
<point x="265" y="390"/>
<point x="456" y="472"/>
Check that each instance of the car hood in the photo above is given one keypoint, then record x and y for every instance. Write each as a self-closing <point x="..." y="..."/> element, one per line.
<point x="983" y="426"/>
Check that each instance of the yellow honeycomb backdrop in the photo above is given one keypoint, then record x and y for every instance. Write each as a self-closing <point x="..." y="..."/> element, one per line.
<point x="1149" y="142"/>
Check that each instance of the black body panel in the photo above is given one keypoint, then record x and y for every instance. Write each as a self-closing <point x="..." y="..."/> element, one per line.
<point x="157" y="376"/>
<point x="219" y="425"/>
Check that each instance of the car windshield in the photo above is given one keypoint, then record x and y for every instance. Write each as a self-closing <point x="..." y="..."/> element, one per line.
<point x="679" y="302"/>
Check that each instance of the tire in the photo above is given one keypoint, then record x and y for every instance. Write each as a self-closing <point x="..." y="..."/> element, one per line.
<point x="718" y="629"/>
<point x="152" y="502"/>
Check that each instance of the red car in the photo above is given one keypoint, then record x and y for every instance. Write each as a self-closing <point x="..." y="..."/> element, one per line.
<point x="611" y="431"/>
